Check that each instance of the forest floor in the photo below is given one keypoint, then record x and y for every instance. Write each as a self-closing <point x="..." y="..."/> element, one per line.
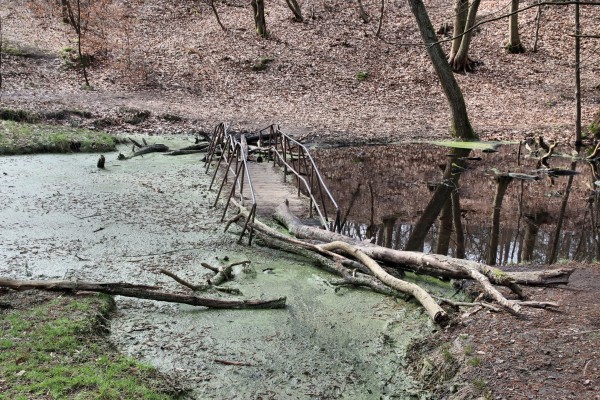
<point x="166" y="67"/>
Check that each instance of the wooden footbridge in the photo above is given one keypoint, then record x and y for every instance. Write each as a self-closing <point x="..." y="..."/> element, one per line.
<point x="266" y="169"/>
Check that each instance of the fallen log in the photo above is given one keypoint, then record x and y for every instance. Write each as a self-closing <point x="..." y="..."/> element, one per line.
<point x="436" y="312"/>
<point x="140" y="292"/>
<point x="183" y="152"/>
<point x="430" y="264"/>
<point x="382" y="282"/>
<point x="153" y="148"/>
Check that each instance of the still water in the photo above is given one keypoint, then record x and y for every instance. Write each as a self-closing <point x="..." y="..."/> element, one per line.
<point x="546" y="207"/>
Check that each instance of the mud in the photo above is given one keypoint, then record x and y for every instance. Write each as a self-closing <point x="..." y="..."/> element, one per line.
<point x="62" y="217"/>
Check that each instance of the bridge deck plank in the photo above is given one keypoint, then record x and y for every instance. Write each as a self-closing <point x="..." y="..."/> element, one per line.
<point x="271" y="191"/>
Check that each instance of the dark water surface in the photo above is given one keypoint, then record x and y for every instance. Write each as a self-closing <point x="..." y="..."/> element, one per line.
<point x="383" y="192"/>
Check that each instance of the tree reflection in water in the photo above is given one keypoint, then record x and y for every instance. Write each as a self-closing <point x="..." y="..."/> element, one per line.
<point x="440" y="199"/>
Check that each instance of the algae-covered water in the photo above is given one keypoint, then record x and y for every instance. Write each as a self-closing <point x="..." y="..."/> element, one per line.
<point x="62" y="217"/>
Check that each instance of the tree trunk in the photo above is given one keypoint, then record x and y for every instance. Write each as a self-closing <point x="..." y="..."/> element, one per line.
<point x="260" y="23"/>
<point x="458" y="228"/>
<point x="502" y="182"/>
<point x="461" y="10"/>
<point x="431" y="264"/>
<point x="296" y="10"/>
<point x="362" y="13"/>
<point x="436" y="313"/>
<point x="561" y="216"/>
<point x="461" y="62"/>
<point x="388" y="231"/>
<point x="532" y="228"/>
<point x="214" y="8"/>
<point x="461" y="126"/>
<point x="381" y="14"/>
<point x="445" y="231"/>
<point x="441" y="195"/>
<point x="514" y="41"/>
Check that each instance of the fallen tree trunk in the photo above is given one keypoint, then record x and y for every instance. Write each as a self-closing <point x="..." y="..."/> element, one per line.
<point x="183" y="152"/>
<point x="436" y="312"/>
<point x="140" y="292"/>
<point x="430" y="264"/>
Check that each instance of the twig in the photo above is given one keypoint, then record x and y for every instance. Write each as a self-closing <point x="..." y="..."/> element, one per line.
<point x="239" y="363"/>
<point x="99" y="229"/>
<point x="465" y="304"/>
<point x="161" y="254"/>
<point x="81" y="258"/>
<point x="208" y="266"/>
<point x="90" y="216"/>
<point x="180" y="280"/>
<point x="585" y="367"/>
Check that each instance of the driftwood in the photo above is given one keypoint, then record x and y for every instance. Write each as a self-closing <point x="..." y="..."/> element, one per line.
<point x="153" y="148"/>
<point x="383" y="283"/>
<point x="183" y="152"/>
<point x="378" y="279"/>
<point x="436" y="312"/>
<point x="430" y="264"/>
<point x="419" y="260"/>
<point x="140" y="292"/>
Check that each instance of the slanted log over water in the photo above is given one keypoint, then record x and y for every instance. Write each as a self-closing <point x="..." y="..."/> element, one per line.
<point x="430" y="264"/>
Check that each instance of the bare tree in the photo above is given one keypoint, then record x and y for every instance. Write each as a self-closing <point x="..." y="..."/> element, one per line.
<point x="460" y="58"/>
<point x="258" y="7"/>
<point x="381" y="14"/>
<point x="296" y="10"/>
<point x="461" y="126"/>
<point x="74" y="18"/>
<point x="514" y="40"/>
<point x="214" y="9"/>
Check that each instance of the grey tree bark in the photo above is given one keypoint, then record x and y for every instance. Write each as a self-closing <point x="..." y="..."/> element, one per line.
<point x="514" y="40"/>
<point x="461" y="126"/>
<point x="460" y="62"/>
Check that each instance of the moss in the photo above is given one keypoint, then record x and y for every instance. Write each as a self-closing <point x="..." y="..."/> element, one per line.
<point x="22" y="138"/>
<point x="262" y="64"/>
<point x="362" y="75"/>
<point x="56" y="349"/>
<point x="9" y="114"/>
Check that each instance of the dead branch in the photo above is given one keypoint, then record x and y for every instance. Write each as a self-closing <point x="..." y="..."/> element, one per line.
<point x="182" y="281"/>
<point x="430" y="264"/>
<point x="224" y="273"/>
<point x="183" y="152"/>
<point x="436" y="313"/>
<point x="466" y="304"/>
<point x="199" y="288"/>
<point x="240" y="363"/>
<point x="135" y="143"/>
<point x="208" y="266"/>
<point x="140" y="292"/>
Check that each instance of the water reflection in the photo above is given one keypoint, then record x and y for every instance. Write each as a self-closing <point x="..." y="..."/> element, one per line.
<point x="512" y="204"/>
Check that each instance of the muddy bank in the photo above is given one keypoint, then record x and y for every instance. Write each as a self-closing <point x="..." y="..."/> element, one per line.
<point x="64" y="218"/>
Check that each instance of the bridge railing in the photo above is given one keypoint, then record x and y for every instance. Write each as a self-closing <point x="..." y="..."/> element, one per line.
<point x="295" y="159"/>
<point x="234" y="153"/>
<point x="292" y="156"/>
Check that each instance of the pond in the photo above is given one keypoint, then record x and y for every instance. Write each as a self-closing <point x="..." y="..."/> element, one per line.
<point x="436" y="198"/>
